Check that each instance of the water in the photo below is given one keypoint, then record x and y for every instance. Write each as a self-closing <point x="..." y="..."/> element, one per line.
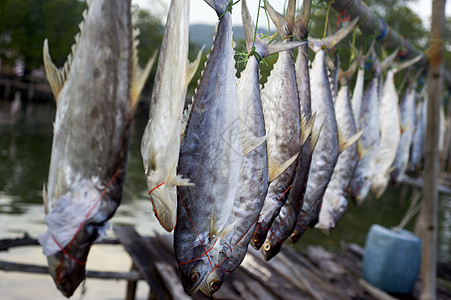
<point x="24" y="160"/>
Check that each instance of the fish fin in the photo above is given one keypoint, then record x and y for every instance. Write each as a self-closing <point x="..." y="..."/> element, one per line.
<point x="179" y="181"/>
<point x="44" y="198"/>
<point x="227" y="230"/>
<point x="389" y="170"/>
<point x="363" y="151"/>
<point x="213" y="233"/>
<point x="315" y="137"/>
<point x="334" y="39"/>
<point x="248" y="25"/>
<point x="408" y="63"/>
<point x="345" y="144"/>
<point x="251" y="142"/>
<point x="275" y="169"/>
<point x="192" y="67"/>
<point x="405" y="127"/>
<point x="56" y="77"/>
<point x="284" y="24"/>
<point x="307" y="128"/>
<point x="279" y="47"/>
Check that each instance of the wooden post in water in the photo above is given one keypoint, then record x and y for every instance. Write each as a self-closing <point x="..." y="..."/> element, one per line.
<point x="430" y="206"/>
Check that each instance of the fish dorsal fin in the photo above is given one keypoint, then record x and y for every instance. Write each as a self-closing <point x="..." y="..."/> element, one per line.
<point x="363" y="151"/>
<point x="315" y="137"/>
<point x="346" y="143"/>
<point x="179" y="181"/>
<point x="192" y="67"/>
<point x="284" y="24"/>
<point x="251" y="142"/>
<point x="307" y="128"/>
<point x="275" y="168"/>
<point x="334" y="39"/>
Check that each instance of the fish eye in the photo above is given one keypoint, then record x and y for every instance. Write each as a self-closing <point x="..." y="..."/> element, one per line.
<point x="214" y="285"/>
<point x="255" y="239"/>
<point x="195" y="277"/>
<point x="267" y="247"/>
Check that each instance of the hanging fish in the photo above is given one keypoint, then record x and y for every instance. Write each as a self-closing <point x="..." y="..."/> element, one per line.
<point x="161" y="139"/>
<point x="328" y="146"/>
<point x="96" y="94"/>
<point x="408" y="116"/>
<point x="390" y="130"/>
<point x="254" y="180"/>
<point x="419" y="136"/>
<point x="357" y="94"/>
<point x="281" y="109"/>
<point x="368" y="144"/>
<point x="335" y="200"/>
<point x="211" y="155"/>
<point x="285" y="222"/>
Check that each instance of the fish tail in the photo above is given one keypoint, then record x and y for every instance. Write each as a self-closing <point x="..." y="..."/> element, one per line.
<point x="221" y="6"/>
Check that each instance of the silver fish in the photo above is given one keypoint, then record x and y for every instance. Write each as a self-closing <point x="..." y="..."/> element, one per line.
<point x="335" y="200"/>
<point x="281" y="109"/>
<point x="408" y="115"/>
<point x="285" y="222"/>
<point x="160" y="144"/>
<point x="327" y="147"/>
<point x="390" y="130"/>
<point x="368" y="144"/>
<point x="96" y="93"/>
<point x="254" y="180"/>
<point x="210" y="156"/>
<point x="417" y="150"/>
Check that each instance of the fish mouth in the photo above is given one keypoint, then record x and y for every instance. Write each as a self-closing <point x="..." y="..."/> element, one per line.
<point x="67" y="272"/>
<point x="190" y="289"/>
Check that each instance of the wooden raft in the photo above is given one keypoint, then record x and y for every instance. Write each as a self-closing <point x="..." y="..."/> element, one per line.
<point x="313" y="273"/>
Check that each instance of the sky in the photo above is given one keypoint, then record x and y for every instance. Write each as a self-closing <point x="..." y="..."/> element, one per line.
<point x="201" y="13"/>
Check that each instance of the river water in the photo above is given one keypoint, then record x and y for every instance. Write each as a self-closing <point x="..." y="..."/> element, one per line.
<point x="24" y="160"/>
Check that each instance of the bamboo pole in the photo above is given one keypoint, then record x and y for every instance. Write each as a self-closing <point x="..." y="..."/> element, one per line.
<point x="430" y="206"/>
<point x="371" y="24"/>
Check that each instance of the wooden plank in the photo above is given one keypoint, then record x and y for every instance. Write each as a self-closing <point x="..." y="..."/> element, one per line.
<point x="137" y="247"/>
<point x="131" y="287"/>
<point x="30" y="268"/>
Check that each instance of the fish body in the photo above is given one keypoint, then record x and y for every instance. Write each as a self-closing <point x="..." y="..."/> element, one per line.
<point x="408" y="115"/>
<point x="281" y="109"/>
<point x="327" y="149"/>
<point x="96" y="93"/>
<point x="335" y="197"/>
<point x="160" y="143"/>
<point x="417" y="149"/>
<point x="369" y="123"/>
<point x="211" y="155"/>
<point x="285" y="222"/>
<point x="390" y="134"/>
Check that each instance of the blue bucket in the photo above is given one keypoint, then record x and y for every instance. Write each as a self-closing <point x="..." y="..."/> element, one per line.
<point x="392" y="259"/>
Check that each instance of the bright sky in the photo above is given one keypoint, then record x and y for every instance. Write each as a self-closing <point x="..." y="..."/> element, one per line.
<point x="201" y="13"/>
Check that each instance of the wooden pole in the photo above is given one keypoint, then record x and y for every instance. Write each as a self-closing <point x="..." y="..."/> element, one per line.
<point x="430" y="198"/>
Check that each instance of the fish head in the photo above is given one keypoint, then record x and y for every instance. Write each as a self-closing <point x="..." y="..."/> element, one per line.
<point x="333" y="208"/>
<point x="259" y="237"/>
<point x="164" y="201"/>
<point x="379" y="185"/>
<point x="214" y="281"/>
<point x="360" y="188"/>
<point x="271" y="247"/>
<point x="194" y="274"/>
<point x="74" y="223"/>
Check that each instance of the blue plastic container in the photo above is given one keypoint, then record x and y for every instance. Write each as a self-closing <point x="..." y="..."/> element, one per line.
<point x="392" y="259"/>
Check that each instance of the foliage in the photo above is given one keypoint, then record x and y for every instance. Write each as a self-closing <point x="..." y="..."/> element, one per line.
<point x="24" y="24"/>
